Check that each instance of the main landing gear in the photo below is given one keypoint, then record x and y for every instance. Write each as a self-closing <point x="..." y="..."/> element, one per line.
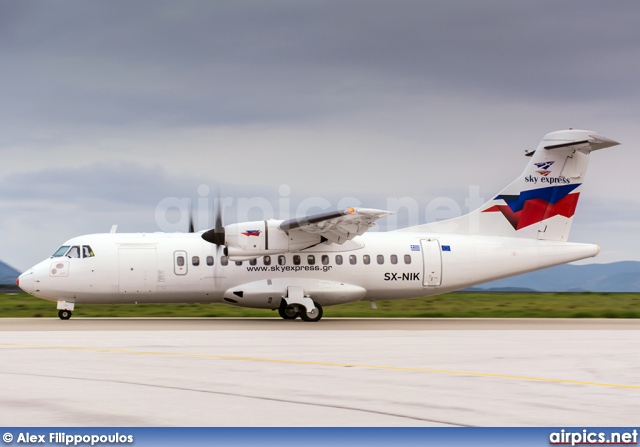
<point x="296" y="304"/>
<point x="288" y="312"/>
<point x="313" y="315"/>
<point x="293" y="311"/>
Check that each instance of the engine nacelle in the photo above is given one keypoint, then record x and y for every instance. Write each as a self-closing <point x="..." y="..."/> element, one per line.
<point x="250" y="240"/>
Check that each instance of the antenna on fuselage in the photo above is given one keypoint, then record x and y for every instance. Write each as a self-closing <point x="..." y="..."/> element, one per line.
<point x="114" y="228"/>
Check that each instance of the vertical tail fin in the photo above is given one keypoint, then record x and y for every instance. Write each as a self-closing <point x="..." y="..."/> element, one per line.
<point x="539" y="204"/>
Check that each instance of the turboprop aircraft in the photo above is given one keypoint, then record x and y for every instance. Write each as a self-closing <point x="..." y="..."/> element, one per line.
<point x="301" y="265"/>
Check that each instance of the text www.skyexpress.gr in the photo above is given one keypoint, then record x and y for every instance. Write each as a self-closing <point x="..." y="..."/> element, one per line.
<point x="290" y="268"/>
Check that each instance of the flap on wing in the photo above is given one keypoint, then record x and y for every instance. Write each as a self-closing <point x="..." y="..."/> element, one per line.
<point x="335" y="226"/>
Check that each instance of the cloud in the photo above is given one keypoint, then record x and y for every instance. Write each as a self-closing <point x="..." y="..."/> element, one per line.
<point x="202" y="63"/>
<point x="113" y="182"/>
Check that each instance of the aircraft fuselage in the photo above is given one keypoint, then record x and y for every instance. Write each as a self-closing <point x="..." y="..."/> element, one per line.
<point x="183" y="268"/>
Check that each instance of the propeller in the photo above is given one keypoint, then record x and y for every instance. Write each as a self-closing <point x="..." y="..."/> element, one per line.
<point x="216" y="234"/>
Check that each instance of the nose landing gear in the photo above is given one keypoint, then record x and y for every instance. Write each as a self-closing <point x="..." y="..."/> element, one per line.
<point x="65" y="309"/>
<point x="64" y="314"/>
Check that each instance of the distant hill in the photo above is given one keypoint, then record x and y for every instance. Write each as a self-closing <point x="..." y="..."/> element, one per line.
<point x="615" y="277"/>
<point x="8" y="274"/>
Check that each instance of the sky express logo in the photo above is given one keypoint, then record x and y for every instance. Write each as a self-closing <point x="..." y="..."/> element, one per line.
<point x="545" y="165"/>
<point x="548" y="180"/>
<point x="544" y="173"/>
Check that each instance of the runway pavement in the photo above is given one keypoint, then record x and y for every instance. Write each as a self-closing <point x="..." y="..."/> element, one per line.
<point x="344" y="372"/>
<point x="350" y="324"/>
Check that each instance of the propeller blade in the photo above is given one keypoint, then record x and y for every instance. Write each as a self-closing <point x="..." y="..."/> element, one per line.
<point x="217" y="234"/>
<point x="191" y="227"/>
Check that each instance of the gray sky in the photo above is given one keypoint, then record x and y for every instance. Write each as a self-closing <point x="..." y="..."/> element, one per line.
<point x="110" y="107"/>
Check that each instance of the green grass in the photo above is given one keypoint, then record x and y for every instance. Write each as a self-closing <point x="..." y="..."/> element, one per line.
<point x="452" y="305"/>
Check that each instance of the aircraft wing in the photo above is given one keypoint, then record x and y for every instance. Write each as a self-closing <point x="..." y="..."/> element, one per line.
<point x="335" y="226"/>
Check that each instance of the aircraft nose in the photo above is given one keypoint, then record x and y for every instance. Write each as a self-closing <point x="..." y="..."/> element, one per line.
<point x="26" y="282"/>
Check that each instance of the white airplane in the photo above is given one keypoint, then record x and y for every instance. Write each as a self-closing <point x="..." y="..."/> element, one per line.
<point x="298" y="266"/>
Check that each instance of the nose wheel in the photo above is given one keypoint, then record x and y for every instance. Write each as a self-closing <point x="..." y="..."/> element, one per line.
<point x="64" y="314"/>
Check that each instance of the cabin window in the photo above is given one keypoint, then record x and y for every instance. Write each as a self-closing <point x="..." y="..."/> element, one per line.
<point x="353" y="259"/>
<point x="366" y="259"/>
<point x="296" y="259"/>
<point x="195" y="261"/>
<point x="253" y="262"/>
<point x="282" y="260"/>
<point x="266" y="260"/>
<point x="311" y="260"/>
<point x="380" y="259"/>
<point x="238" y="263"/>
<point x="407" y="259"/>
<point x="394" y="259"/>
<point x="224" y="260"/>
<point x="339" y="259"/>
<point x="209" y="260"/>
<point x="87" y="252"/>
<point x="60" y="252"/>
<point x="180" y="261"/>
<point x="325" y="259"/>
<point x="74" y="252"/>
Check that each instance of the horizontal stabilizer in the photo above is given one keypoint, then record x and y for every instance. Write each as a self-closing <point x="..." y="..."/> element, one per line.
<point x="593" y="143"/>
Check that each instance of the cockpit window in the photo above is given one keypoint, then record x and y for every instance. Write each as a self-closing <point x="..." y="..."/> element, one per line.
<point x="60" y="251"/>
<point x="74" y="252"/>
<point x="87" y="252"/>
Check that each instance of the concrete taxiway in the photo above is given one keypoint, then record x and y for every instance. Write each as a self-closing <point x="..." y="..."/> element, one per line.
<point x="237" y="372"/>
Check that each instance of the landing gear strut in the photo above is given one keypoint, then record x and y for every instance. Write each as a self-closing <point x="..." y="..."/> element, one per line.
<point x="64" y="314"/>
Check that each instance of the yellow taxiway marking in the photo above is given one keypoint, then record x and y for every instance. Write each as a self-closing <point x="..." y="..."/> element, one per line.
<point x="328" y="364"/>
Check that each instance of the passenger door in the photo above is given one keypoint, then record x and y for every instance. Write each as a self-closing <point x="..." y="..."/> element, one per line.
<point x="432" y="263"/>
